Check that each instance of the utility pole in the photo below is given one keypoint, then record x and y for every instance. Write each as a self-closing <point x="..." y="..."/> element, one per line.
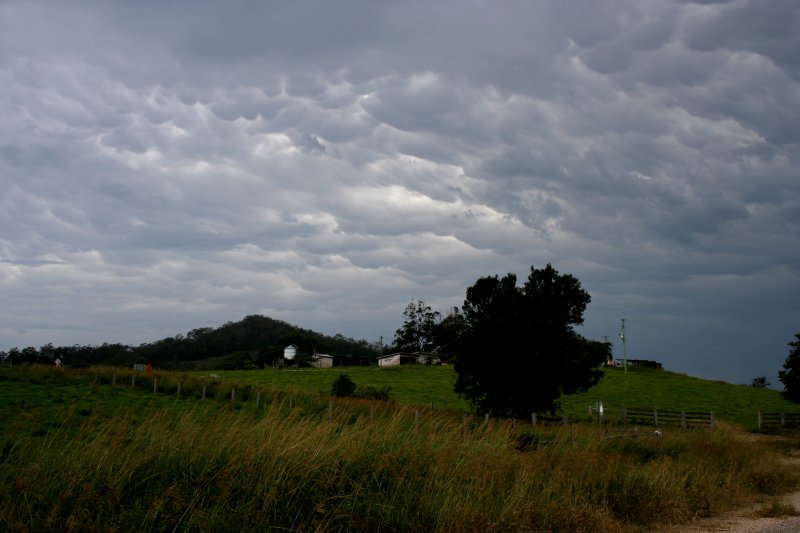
<point x="624" y="346"/>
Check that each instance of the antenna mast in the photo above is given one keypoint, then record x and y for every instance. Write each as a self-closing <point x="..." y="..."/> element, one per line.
<point x="624" y="346"/>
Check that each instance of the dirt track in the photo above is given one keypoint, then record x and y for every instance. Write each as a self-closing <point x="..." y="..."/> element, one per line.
<point x="746" y="520"/>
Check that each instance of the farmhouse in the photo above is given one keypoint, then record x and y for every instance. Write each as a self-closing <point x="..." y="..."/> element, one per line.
<point x="404" y="358"/>
<point x="635" y="362"/>
<point x="322" y="360"/>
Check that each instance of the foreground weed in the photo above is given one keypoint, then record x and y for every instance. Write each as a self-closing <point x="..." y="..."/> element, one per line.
<point x="777" y="509"/>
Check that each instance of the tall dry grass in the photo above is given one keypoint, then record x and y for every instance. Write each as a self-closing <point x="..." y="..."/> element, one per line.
<point x="207" y="466"/>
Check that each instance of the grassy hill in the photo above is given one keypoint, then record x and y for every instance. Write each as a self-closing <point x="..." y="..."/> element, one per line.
<point x="637" y="388"/>
<point x="660" y="389"/>
<point x="432" y="386"/>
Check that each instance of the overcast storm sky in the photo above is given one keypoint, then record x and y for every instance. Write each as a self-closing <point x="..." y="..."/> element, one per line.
<point x="172" y="165"/>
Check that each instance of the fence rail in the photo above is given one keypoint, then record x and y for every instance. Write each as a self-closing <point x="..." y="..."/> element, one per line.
<point x="652" y="417"/>
<point x="767" y="421"/>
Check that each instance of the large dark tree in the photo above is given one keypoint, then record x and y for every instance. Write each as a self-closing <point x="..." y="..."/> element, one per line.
<point x="790" y="375"/>
<point x="518" y="351"/>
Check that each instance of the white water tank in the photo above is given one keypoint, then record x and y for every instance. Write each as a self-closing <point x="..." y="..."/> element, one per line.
<point x="290" y="351"/>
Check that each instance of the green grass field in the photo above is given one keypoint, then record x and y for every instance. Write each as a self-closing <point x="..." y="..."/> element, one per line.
<point x="423" y="386"/>
<point x="79" y="453"/>
<point x="658" y="389"/>
<point x="638" y="388"/>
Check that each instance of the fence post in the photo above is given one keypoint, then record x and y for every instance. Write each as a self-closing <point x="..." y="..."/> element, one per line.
<point x="655" y="417"/>
<point x="155" y="386"/>
<point x="204" y="392"/>
<point x="590" y="412"/>
<point x="330" y="410"/>
<point x="486" y="418"/>
<point x="624" y="415"/>
<point x="683" y="419"/>
<point x="416" y="419"/>
<point x="533" y="418"/>
<point x="233" y="395"/>
<point x="114" y="377"/>
<point x="133" y="377"/>
<point x="258" y="398"/>
<point x="291" y="402"/>
<point x="783" y="420"/>
<point x="712" y="419"/>
<point x="760" y="421"/>
<point x="179" y="390"/>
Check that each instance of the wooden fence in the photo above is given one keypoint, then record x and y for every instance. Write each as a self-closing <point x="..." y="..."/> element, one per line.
<point x="779" y="421"/>
<point x="652" y="417"/>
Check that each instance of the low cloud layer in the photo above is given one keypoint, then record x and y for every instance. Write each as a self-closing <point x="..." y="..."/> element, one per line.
<point x="167" y="166"/>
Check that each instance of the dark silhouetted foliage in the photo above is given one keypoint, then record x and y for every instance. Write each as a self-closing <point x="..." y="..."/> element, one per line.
<point x="519" y="352"/>
<point x="790" y="375"/>
<point x="343" y="386"/>
<point x="263" y="336"/>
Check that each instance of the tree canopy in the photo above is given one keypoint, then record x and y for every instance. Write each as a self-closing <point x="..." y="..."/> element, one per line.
<point x="418" y="331"/>
<point x="790" y="375"/>
<point x="518" y="350"/>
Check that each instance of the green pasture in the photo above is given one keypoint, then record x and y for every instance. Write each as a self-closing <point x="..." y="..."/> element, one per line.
<point x="637" y="388"/>
<point x="658" y="389"/>
<point x="418" y="385"/>
<point x="413" y="385"/>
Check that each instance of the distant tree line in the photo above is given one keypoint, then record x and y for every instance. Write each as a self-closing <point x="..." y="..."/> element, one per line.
<point x="427" y="331"/>
<point x="251" y="342"/>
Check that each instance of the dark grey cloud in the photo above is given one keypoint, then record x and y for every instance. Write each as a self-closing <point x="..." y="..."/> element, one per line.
<point x="167" y="166"/>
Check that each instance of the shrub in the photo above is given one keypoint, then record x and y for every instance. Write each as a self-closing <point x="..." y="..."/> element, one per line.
<point x="343" y="386"/>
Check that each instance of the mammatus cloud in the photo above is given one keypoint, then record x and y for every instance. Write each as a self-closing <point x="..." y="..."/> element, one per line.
<point x="165" y="169"/>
